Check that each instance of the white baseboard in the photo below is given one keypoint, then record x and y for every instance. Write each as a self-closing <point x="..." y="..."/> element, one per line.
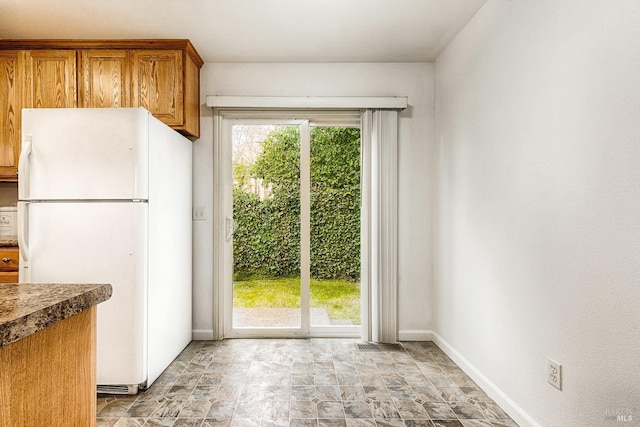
<point x="510" y="407"/>
<point x="415" y="335"/>
<point x="202" y="334"/>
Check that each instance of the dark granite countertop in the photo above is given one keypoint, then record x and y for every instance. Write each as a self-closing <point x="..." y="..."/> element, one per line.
<point x="8" y="242"/>
<point x="26" y="308"/>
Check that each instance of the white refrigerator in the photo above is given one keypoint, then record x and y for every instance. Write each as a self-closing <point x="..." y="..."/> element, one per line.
<point x="105" y="197"/>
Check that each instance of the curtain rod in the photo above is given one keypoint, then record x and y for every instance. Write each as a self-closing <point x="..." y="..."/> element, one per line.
<point x="315" y="102"/>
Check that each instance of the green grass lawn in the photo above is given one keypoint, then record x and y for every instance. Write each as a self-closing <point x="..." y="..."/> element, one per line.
<point x="339" y="297"/>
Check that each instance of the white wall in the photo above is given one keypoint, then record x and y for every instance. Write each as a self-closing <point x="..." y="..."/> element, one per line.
<point x="415" y="159"/>
<point x="538" y="204"/>
<point x="8" y="193"/>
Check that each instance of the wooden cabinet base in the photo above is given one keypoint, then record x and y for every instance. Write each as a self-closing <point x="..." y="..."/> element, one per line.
<point x="9" y="276"/>
<point x="49" y="378"/>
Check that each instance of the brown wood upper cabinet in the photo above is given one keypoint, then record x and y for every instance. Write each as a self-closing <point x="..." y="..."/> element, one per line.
<point x="157" y="79"/>
<point x="105" y="80"/>
<point x="11" y="103"/>
<point x="162" y="76"/>
<point x="50" y="79"/>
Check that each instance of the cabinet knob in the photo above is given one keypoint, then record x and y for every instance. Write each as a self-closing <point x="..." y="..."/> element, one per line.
<point x="5" y="259"/>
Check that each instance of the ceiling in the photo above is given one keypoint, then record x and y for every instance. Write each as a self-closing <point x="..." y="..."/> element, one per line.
<point x="255" y="30"/>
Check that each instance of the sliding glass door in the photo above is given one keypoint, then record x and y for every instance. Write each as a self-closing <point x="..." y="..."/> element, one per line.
<point x="266" y="282"/>
<point x="292" y="228"/>
<point x="334" y="232"/>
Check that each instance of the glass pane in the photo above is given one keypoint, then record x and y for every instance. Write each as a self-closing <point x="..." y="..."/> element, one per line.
<point x="266" y="210"/>
<point x="335" y="226"/>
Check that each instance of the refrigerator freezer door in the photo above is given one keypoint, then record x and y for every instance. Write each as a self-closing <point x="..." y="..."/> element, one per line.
<point x="98" y="243"/>
<point x="84" y="154"/>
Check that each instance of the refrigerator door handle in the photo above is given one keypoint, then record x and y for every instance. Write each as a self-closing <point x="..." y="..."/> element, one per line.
<point x="23" y="168"/>
<point x="23" y="224"/>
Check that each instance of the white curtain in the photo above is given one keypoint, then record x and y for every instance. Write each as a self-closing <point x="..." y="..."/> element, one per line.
<point x="380" y="216"/>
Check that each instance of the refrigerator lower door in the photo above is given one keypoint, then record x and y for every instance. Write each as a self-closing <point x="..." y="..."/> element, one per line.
<point x="97" y="243"/>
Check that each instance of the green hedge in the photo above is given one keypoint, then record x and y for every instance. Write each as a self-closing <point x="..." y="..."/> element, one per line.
<point x="267" y="238"/>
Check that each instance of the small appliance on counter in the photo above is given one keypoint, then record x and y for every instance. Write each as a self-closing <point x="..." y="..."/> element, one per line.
<point x="8" y="223"/>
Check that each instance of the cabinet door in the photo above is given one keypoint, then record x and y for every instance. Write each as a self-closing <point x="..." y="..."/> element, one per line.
<point x="51" y="79"/>
<point x="9" y="277"/>
<point x="104" y="78"/>
<point x="157" y="84"/>
<point x="9" y="259"/>
<point x="11" y="88"/>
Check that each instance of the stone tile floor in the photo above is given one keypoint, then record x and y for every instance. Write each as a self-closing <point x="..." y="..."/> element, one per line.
<point x="307" y="382"/>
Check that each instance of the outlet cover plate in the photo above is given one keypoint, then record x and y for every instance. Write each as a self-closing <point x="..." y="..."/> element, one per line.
<point x="554" y="374"/>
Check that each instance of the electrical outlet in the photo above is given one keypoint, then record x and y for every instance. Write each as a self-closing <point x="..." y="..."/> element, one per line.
<point x="199" y="213"/>
<point x="554" y="373"/>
